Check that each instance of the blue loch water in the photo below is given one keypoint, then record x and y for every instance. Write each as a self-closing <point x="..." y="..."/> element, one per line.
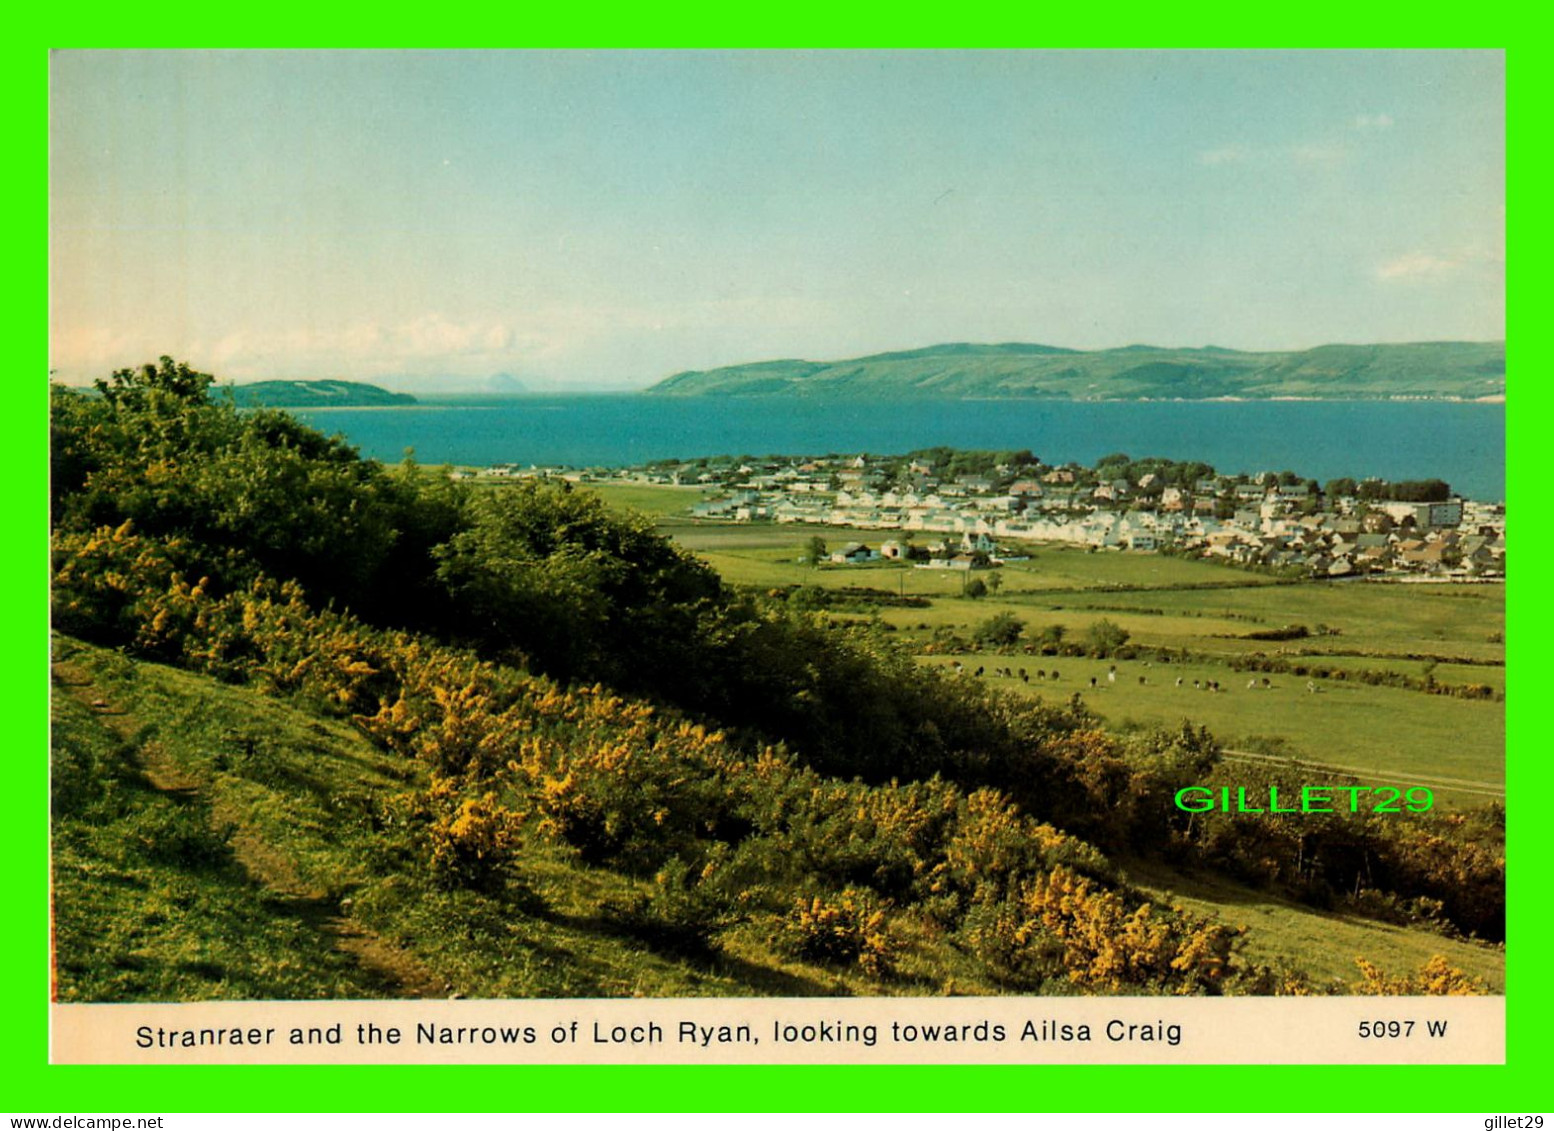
<point x="1461" y="443"/>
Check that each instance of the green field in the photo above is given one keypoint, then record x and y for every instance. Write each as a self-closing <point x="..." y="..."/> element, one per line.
<point x="650" y="499"/>
<point x="1393" y="732"/>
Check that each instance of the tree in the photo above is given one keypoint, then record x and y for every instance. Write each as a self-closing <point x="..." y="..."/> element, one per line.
<point x="237" y="493"/>
<point x="1420" y="491"/>
<point x="999" y="630"/>
<point x="1052" y="635"/>
<point x="814" y="551"/>
<point x="1106" y="637"/>
<point x="995" y="582"/>
<point x="1189" y="473"/>
<point x="976" y="588"/>
<point x="169" y="378"/>
<point x="551" y="573"/>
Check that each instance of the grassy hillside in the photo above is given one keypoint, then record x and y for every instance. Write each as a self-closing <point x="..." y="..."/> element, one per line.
<point x="1466" y="370"/>
<point x="212" y="842"/>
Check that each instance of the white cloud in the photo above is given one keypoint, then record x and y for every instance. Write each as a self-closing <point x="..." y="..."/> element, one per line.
<point x="1417" y="265"/>
<point x="1373" y="121"/>
<point x="428" y="343"/>
<point x="1484" y="264"/>
<point x="1272" y="156"/>
<point x="1226" y="155"/>
<point x="363" y="337"/>
<point x="612" y="338"/>
<point x="1317" y="154"/>
<point x="97" y="350"/>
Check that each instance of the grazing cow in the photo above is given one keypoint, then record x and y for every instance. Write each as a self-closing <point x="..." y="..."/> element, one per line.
<point x="1141" y="681"/>
<point x="1054" y="673"/>
<point x="1178" y="681"/>
<point x="1092" y="681"/>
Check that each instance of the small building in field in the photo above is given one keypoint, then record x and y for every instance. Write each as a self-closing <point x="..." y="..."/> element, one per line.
<point x="853" y="553"/>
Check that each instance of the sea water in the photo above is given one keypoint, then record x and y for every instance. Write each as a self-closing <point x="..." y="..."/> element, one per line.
<point x="1462" y="443"/>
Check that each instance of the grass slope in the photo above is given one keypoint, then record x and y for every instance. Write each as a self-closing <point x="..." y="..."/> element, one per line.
<point x="213" y="843"/>
<point x="1325" y="944"/>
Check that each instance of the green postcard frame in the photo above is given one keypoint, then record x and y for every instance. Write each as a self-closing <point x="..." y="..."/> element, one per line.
<point x="34" y="1086"/>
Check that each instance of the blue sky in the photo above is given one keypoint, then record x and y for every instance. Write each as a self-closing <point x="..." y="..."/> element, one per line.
<point x="598" y="219"/>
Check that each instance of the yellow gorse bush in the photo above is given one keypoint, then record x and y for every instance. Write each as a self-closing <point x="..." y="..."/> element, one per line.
<point x="472" y="845"/>
<point x="1108" y="946"/>
<point x="621" y="780"/>
<point x="849" y="928"/>
<point x="1435" y="977"/>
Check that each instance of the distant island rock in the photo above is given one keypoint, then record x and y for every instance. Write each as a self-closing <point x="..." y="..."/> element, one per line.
<point x="1415" y="370"/>
<point x="504" y="383"/>
<point x="315" y="394"/>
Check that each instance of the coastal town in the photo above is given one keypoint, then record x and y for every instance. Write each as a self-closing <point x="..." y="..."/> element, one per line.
<point x="943" y="509"/>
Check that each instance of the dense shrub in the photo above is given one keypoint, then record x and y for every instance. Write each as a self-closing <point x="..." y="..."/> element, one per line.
<point x="1064" y="924"/>
<point x="473" y="844"/>
<point x="1435" y="977"/>
<point x="685" y="908"/>
<point x="1001" y="630"/>
<point x="850" y="928"/>
<point x="1106" y="638"/>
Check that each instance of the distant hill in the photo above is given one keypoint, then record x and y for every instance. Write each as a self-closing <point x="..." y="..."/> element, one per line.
<point x="504" y="383"/>
<point x="1458" y="370"/>
<point x="315" y="394"/>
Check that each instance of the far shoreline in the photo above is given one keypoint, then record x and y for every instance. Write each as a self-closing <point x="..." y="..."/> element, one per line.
<point x="1493" y="399"/>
